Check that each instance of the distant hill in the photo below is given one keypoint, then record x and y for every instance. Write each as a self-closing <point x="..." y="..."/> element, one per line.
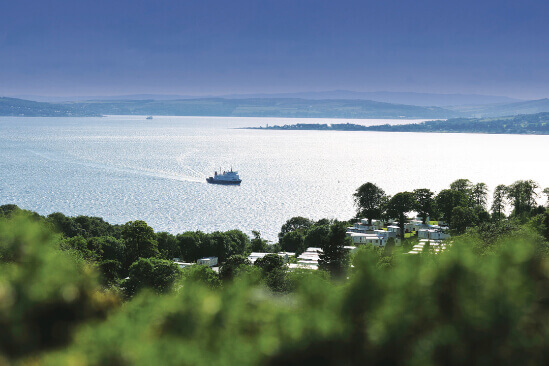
<point x="409" y="98"/>
<point x="27" y="108"/>
<point x="265" y="107"/>
<point x="509" y="109"/>
<point x="85" y="98"/>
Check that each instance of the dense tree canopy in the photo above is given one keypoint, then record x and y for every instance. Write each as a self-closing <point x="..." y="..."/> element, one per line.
<point x="239" y="242"/>
<point x="424" y="203"/>
<point x="193" y="245"/>
<point x="293" y="242"/>
<point x="270" y="263"/>
<point x="45" y="293"/>
<point x="369" y="200"/>
<point x="9" y="210"/>
<point x="499" y="202"/>
<point x="140" y="241"/>
<point x="297" y="223"/>
<point x="232" y="266"/>
<point x="400" y="204"/>
<point x="334" y="258"/>
<point x="461" y="185"/>
<point x="522" y="194"/>
<point x="201" y="274"/>
<point x="154" y="273"/>
<point x="479" y="194"/>
<point x="84" y="226"/>
<point x="447" y="200"/>
<point x="257" y="243"/>
<point x="462" y="218"/>
<point x="317" y="236"/>
<point x="479" y="301"/>
<point x="167" y="245"/>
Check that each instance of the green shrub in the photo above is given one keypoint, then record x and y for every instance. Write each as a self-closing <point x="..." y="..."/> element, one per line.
<point x="156" y="274"/>
<point x="44" y="292"/>
<point x="479" y="302"/>
<point x="201" y="275"/>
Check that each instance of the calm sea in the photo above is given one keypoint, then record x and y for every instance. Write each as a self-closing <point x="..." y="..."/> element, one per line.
<point x="125" y="168"/>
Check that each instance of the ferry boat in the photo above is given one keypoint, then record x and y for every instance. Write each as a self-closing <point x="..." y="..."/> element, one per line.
<point x="225" y="178"/>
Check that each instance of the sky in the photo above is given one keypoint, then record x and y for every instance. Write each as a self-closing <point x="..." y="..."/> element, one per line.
<point x="216" y="47"/>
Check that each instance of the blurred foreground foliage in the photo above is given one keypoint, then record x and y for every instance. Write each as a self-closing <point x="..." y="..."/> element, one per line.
<point x="44" y="292"/>
<point x="482" y="302"/>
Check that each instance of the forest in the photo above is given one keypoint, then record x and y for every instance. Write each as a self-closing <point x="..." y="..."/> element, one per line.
<point x="78" y="290"/>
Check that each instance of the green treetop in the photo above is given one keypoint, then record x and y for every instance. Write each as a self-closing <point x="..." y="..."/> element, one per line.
<point x="400" y="204"/>
<point x="370" y="200"/>
<point x="479" y="194"/>
<point x="334" y="255"/>
<point x="424" y="202"/>
<point x="499" y="202"/>
<point x="140" y="241"/>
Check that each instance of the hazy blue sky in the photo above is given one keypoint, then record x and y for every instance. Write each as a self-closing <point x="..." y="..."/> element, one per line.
<point x="109" y="47"/>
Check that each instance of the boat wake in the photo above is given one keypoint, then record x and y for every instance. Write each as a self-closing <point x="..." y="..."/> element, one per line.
<point x="117" y="169"/>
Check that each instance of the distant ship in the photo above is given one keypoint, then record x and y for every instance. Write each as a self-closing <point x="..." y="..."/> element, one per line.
<point x="149" y="117"/>
<point x="225" y="178"/>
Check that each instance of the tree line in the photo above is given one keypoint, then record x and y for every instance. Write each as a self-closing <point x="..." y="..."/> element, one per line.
<point x="481" y="301"/>
<point x="133" y="256"/>
<point x="536" y="124"/>
<point x="134" y="249"/>
<point x="462" y="205"/>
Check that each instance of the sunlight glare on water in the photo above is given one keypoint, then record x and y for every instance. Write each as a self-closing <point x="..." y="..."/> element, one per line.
<point x="126" y="168"/>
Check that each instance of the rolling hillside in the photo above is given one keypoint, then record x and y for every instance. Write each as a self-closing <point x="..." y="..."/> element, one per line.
<point x="27" y="108"/>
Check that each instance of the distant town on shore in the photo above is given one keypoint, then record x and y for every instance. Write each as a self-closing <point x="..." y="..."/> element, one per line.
<point x="529" y="124"/>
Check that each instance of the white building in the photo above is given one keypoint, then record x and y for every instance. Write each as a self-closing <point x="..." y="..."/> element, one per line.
<point x="208" y="261"/>
<point x="256" y="255"/>
<point x="363" y="227"/>
<point x="182" y="264"/>
<point x="378" y="224"/>
<point x="433" y="234"/>
<point x="377" y="238"/>
<point x="385" y="233"/>
<point x="363" y="239"/>
<point x="415" y="225"/>
<point x="309" y="258"/>
<point x="289" y="254"/>
<point x="359" y="228"/>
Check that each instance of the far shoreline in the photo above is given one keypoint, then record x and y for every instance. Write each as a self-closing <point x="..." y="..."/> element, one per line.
<point x="528" y="124"/>
<point x="418" y="132"/>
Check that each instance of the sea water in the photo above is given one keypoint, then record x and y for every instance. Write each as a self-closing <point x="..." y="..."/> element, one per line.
<point x="126" y="168"/>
